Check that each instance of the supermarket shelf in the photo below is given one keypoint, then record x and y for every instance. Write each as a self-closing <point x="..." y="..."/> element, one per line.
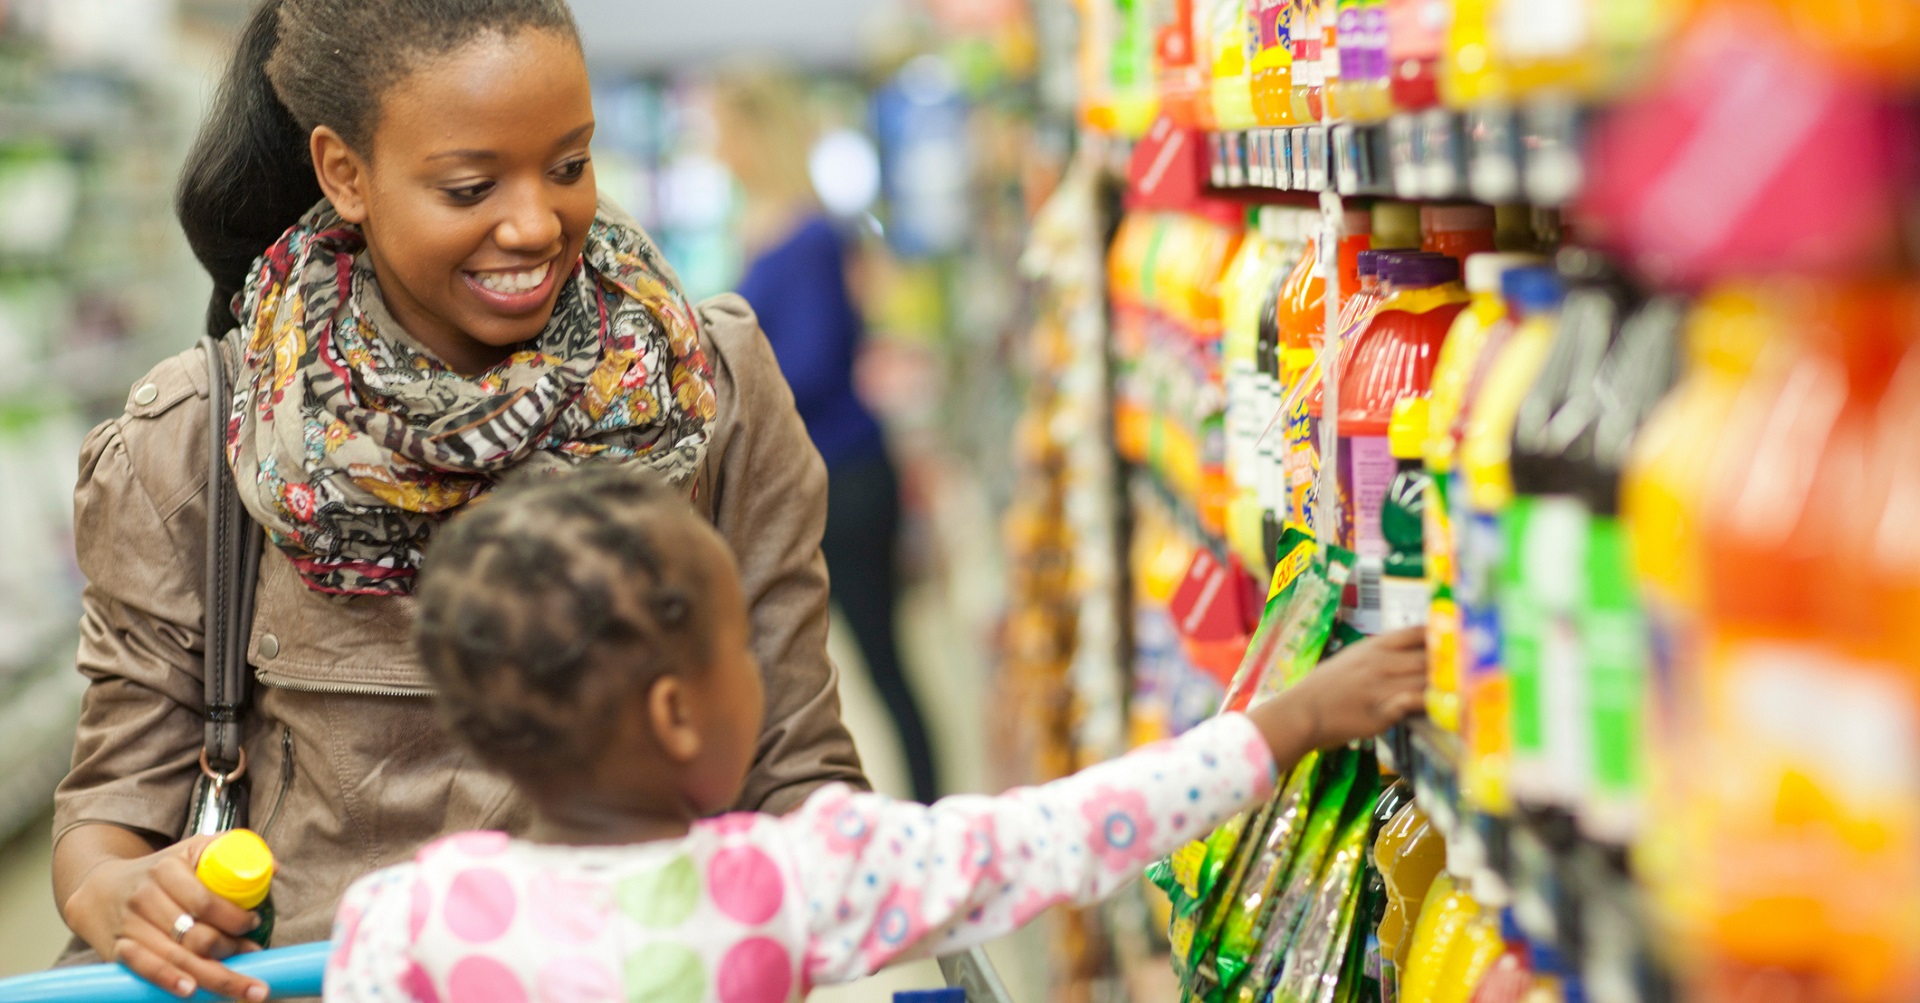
<point x="1493" y="154"/>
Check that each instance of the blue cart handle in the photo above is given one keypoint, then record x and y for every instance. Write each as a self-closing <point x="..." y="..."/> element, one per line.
<point x="287" y="971"/>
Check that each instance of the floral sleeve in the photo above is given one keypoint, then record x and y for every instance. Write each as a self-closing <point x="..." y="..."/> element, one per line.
<point x="887" y="880"/>
<point x="371" y="935"/>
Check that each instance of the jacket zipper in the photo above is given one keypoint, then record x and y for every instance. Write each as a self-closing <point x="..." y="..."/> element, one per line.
<point x="286" y="778"/>
<point x="343" y="689"/>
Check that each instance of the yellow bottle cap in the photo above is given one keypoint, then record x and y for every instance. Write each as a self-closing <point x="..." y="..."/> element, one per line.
<point x="1407" y="432"/>
<point x="237" y="867"/>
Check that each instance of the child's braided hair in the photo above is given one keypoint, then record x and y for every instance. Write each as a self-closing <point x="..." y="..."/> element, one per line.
<point x="547" y="603"/>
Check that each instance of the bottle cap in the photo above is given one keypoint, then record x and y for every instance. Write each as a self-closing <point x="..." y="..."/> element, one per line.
<point x="1370" y="263"/>
<point x="1407" y="432"/>
<point x="1484" y="270"/>
<point x="1396" y="224"/>
<point x="1456" y="218"/>
<point x="1418" y="270"/>
<point x="237" y="867"/>
<point x="1532" y="289"/>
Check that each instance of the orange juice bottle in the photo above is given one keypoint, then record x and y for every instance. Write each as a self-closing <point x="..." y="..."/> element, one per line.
<point x="1409" y="854"/>
<point x="1811" y="723"/>
<point x="1273" y="62"/>
<point x="1663" y="499"/>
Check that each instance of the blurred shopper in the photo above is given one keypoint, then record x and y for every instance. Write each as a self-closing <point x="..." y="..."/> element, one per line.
<point x="418" y="294"/>
<point x="797" y="283"/>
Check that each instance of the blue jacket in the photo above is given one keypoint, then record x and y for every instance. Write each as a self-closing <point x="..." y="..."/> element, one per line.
<point x="799" y="289"/>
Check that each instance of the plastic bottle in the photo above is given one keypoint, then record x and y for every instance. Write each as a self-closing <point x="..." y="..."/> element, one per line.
<point x="1273" y="62"/>
<point x="1470" y="70"/>
<point x="1663" y="497"/>
<point x="1185" y="69"/>
<point x="1274" y="448"/>
<point x="1309" y="78"/>
<point x="1302" y="320"/>
<point x="1638" y="372"/>
<point x="1544" y="529"/>
<point x="1391" y="358"/>
<point x="1444" y="913"/>
<point x="1810" y="727"/>
<point x="1405" y="593"/>
<point x="1483" y="481"/>
<point x="1416" y="36"/>
<point x="1457" y="231"/>
<point x="1478" y="947"/>
<point x="1362" y="94"/>
<point x="1460" y="358"/>
<point x="1409" y="854"/>
<point x="238" y="867"/>
<point x="1232" y="76"/>
<point x="1547" y="47"/>
<point x="1251" y="274"/>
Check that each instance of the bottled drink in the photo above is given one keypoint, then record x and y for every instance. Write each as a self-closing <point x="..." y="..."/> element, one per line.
<point x="1405" y="594"/>
<point x="238" y="867"/>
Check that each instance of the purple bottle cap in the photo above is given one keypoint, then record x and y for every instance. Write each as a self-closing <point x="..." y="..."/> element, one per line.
<point x="1418" y="270"/>
<point x="1370" y="262"/>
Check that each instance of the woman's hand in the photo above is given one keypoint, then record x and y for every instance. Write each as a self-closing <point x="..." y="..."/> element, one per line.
<point x="127" y="908"/>
<point x="1358" y="693"/>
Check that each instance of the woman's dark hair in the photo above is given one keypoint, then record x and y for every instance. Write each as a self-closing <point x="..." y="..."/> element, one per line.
<point x="550" y="601"/>
<point x="301" y="64"/>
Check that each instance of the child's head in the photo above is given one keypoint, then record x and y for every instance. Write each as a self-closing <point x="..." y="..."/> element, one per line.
<point x="587" y="637"/>
<point x="455" y="132"/>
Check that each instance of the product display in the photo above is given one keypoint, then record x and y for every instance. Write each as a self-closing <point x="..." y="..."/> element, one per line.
<point x="1546" y="362"/>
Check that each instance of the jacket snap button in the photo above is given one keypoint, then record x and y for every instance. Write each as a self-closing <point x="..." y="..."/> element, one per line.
<point x="147" y="394"/>
<point x="269" y="646"/>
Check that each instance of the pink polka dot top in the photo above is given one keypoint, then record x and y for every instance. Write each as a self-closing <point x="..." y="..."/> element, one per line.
<point x="759" y="909"/>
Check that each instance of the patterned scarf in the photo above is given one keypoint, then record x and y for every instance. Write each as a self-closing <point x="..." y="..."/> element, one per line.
<point x="351" y="443"/>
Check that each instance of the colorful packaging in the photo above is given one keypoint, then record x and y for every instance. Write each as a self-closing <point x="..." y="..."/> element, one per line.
<point x="1405" y="593"/>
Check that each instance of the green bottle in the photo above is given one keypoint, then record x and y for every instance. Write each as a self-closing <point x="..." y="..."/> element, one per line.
<point x="1404" y="592"/>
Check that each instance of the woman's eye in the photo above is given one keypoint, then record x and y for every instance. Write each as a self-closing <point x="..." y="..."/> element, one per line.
<point x="469" y="193"/>
<point x="571" y="171"/>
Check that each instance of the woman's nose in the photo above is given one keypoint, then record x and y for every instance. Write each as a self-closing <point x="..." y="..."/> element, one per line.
<point x="532" y="224"/>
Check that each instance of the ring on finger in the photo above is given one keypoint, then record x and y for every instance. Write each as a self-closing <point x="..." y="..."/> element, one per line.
<point x="185" y="923"/>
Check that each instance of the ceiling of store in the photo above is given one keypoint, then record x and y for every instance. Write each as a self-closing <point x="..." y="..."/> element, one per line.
<point x="659" y="34"/>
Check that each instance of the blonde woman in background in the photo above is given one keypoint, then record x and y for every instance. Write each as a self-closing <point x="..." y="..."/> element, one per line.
<point x="797" y="283"/>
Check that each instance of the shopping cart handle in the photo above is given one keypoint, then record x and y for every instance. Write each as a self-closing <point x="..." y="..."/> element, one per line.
<point x="287" y="971"/>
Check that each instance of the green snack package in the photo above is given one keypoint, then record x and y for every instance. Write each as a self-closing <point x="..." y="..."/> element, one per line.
<point x="1320" y="943"/>
<point x="1338" y="771"/>
<point x="1308" y="623"/>
<point x="1296" y="559"/>
<point x="1246" y="922"/>
<point x="1201" y="973"/>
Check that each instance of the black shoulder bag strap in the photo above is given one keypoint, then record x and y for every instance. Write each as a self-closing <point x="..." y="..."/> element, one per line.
<point x="234" y="544"/>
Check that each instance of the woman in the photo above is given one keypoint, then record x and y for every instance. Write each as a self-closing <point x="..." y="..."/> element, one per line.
<point x="441" y="303"/>
<point x="797" y="283"/>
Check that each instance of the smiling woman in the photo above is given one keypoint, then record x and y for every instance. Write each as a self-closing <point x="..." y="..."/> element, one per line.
<point x="417" y="294"/>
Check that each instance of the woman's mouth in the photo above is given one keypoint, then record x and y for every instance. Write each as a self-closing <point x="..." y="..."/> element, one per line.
<point x="513" y="291"/>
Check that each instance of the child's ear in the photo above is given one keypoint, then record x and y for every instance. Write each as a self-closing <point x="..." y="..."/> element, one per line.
<point x="341" y="172"/>
<point x="672" y="719"/>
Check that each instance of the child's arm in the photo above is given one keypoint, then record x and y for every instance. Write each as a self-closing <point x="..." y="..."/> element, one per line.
<point x="887" y="879"/>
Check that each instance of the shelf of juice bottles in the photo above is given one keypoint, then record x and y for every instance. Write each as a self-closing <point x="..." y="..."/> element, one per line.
<point x="1494" y="154"/>
<point x="1563" y="890"/>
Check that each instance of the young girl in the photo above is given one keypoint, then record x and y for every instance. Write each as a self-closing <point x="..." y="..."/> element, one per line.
<point x="588" y="639"/>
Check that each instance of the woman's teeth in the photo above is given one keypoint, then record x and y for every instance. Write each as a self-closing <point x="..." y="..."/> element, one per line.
<point x="513" y="282"/>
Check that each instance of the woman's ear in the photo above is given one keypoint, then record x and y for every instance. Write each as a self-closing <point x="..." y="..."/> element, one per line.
<point x="342" y="174"/>
<point x="671" y="716"/>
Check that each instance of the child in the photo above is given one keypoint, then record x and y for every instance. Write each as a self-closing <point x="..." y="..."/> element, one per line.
<point x="588" y="638"/>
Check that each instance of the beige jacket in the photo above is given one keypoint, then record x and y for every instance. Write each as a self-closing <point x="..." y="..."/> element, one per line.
<point x="349" y="771"/>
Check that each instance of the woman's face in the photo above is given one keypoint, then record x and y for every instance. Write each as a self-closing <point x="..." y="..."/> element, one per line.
<point x="477" y="193"/>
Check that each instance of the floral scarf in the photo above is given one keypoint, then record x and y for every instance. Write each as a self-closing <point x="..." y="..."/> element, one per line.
<point x="351" y="443"/>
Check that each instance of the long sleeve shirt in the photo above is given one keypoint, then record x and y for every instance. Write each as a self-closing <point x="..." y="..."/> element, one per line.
<point x="754" y="908"/>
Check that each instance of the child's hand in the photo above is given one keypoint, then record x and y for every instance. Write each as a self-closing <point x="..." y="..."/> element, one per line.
<point x="1358" y="693"/>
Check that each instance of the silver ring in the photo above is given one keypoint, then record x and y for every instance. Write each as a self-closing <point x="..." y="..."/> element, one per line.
<point x="185" y="923"/>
